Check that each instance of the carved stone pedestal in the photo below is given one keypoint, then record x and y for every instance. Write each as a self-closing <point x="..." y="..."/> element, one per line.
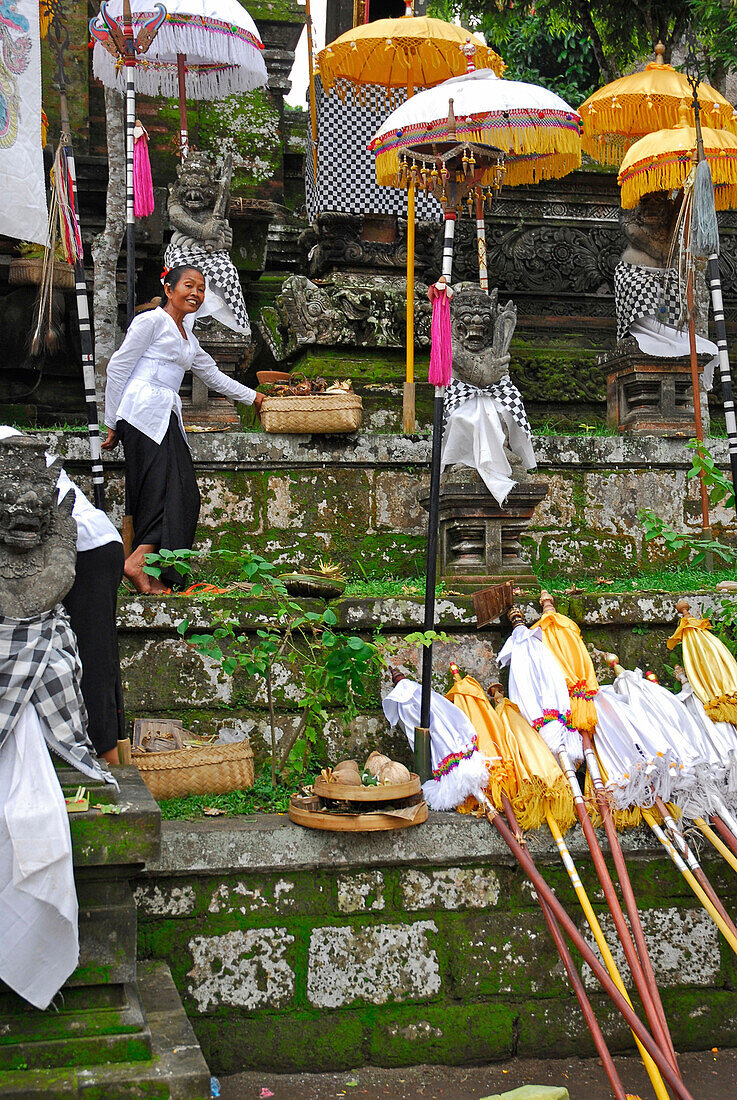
<point x="649" y="394"/>
<point x="479" y="541"/>
<point x="231" y="351"/>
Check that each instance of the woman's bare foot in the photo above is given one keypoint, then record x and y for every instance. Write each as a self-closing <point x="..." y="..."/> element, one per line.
<point x="142" y="582"/>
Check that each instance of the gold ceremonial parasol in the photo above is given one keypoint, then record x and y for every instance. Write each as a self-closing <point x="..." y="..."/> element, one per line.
<point x="620" y="113"/>
<point x="664" y="160"/>
<point x="409" y="52"/>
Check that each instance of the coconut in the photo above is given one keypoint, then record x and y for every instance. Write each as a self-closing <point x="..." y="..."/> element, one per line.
<point x="393" y="772"/>
<point x="347" y="772"/>
<point x="375" y="763"/>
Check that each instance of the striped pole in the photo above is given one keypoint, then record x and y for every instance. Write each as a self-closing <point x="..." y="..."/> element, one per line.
<point x="130" y="122"/>
<point x="725" y="374"/>
<point x="59" y="40"/>
<point x="481" y="242"/>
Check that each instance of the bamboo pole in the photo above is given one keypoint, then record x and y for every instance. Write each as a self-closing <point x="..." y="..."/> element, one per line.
<point x="575" y="979"/>
<point x="652" y="1071"/>
<point x="691" y="880"/>
<point x="644" y="980"/>
<point x="717" y="843"/>
<point x="313" y="104"/>
<point x="695" y="379"/>
<point x="725" y="833"/>
<point x="544" y="893"/>
<point x="628" y="893"/>
<point x="183" y="123"/>
<point x="409" y="419"/>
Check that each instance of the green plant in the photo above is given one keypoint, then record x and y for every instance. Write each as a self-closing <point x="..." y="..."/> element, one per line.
<point x="686" y="547"/>
<point x="333" y="667"/>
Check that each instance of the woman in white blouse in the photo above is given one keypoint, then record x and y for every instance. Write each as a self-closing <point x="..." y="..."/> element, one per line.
<point x="144" y="411"/>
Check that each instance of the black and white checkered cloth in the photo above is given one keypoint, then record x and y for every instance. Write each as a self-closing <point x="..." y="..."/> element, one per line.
<point x="345" y="168"/>
<point x="221" y="275"/>
<point x="503" y="393"/>
<point x="646" y="292"/>
<point x="40" y="667"/>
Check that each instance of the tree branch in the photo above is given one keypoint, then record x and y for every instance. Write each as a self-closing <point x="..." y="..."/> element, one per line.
<point x="106" y="245"/>
<point x="607" y="69"/>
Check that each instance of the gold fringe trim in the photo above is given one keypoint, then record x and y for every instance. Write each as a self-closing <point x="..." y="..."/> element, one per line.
<point x="722" y="709"/>
<point x="535" y="155"/>
<point x="670" y="173"/>
<point x="583" y="714"/>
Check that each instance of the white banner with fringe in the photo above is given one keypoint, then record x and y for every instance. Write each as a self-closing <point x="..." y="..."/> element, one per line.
<point x="23" y="211"/>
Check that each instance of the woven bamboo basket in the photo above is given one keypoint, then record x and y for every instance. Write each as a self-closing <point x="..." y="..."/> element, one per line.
<point x="317" y="414"/>
<point x="202" y="769"/>
<point x="28" y="271"/>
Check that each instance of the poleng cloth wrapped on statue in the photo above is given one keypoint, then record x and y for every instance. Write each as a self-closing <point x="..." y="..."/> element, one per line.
<point x="650" y="308"/>
<point x="480" y="423"/>
<point x="710" y="667"/>
<point x="223" y="295"/>
<point x="40" y="667"/>
<point x="458" y="768"/>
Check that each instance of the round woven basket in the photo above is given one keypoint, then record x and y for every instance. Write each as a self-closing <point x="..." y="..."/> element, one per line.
<point x="205" y="769"/>
<point x="316" y="414"/>
<point x="28" y="271"/>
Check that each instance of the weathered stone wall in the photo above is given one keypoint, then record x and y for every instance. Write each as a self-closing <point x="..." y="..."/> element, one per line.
<point x="356" y="499"/>
<point x="296" y="950"/>
<point x="163" y="676"/>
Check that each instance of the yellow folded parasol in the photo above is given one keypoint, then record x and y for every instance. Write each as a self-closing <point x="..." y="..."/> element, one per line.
<point x="621" y="112"/>
<point x="710" y="667"/>
<point x="563" y="639"/>
<point x="663" y="162"/>
<point x="410" y="52"/>
<point x="468" y="694"/>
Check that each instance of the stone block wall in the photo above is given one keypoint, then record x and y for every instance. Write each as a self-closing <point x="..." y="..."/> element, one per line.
<point x="297" y="950"/>
<point x="355" y="499"/>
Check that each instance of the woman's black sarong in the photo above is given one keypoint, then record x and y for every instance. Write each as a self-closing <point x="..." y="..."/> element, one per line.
<point x="161" y="493"/>
<point x="91" y="604"/>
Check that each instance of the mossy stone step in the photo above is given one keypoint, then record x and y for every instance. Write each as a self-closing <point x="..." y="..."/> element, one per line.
<point x="74" y="1036"/>
<point x="176" y="1069"/>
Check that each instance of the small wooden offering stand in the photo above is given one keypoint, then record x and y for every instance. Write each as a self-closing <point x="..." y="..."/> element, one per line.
<point x="346" y="808"/>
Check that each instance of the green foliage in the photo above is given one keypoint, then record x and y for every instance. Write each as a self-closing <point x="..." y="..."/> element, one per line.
<point x="686" y="547"/>
<point x="334" y="668"/>
<point x="716" y="21"/>
<point x="673" y="579"/>
<point x="566" y="41"/>
<point x="261" y="798"/>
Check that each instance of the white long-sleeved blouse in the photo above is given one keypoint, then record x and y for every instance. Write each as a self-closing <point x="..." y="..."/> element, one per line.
<point x="145" y="373"/>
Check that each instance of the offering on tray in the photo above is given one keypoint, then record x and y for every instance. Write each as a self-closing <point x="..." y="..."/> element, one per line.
<point x="296" y="385"/>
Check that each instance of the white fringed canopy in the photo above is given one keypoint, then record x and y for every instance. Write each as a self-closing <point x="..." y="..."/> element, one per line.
<point x="220" y="41"/>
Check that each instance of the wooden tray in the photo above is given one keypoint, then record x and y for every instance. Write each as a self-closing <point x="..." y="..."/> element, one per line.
<point x="354" y="823"/>
<point x="347" y="792"/>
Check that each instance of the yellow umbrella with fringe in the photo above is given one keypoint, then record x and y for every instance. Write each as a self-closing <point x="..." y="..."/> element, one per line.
<point x="622" y="112"/>
<point x="710" y="667"/>
<point x="663" y="161"/>
<point x="377" y="58"/>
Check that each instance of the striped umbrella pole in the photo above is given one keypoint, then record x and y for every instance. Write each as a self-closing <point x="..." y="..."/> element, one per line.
<point x="725" y="374"/>
<point x="130" y="122"/>
<point x="59" y="40"/>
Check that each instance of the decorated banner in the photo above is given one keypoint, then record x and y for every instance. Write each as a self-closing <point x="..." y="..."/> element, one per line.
<point x="23" y="212"/>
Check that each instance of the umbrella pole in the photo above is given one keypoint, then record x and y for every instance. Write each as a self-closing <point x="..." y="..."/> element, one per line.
<point x="422" y="733"/>
<point x="593" y="923"/>
<point x="725" y="832"/>
<point x="626" y="885"/>
<point x="313" y="103"/>
<point x="58" y="40"/>
<point x="697" y="870"/>
<point x="183" y="124"/>
<point x="641" y="972"/>
<point x="544" y="893"/>
<point x="695" y="381"/>
<point x="717" y="843"/>
<point x="725" y="374"/>
<point x="130" y="122"/>
<point x="575" y="979"/>
<point x="481" y="243"/>
<point x="408" y="393"/>
<point x="691" y="880"/>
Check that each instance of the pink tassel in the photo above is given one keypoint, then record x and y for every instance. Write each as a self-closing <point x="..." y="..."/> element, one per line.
<point x="441" y="352"/>
<point x="143" y="188"/>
